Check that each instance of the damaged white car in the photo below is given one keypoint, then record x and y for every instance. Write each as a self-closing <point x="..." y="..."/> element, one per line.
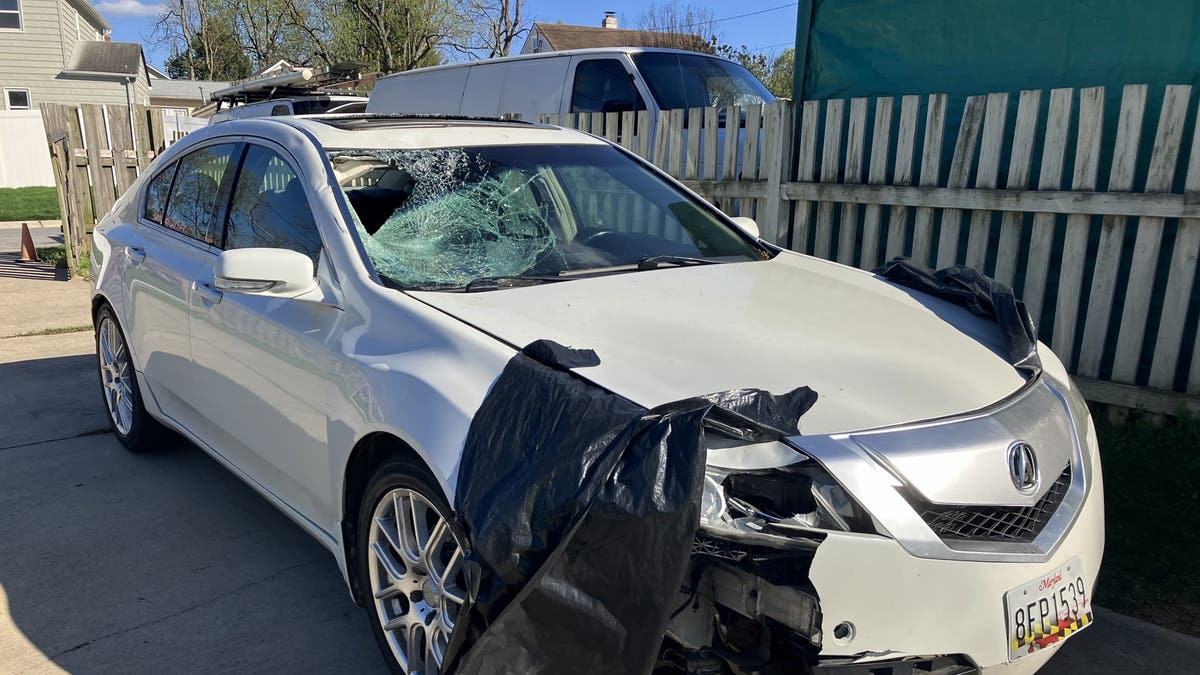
<point x="335" y="308"/>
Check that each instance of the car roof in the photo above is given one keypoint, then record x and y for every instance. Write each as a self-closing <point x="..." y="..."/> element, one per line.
<point x="391" y="131"/>
<point x="545" y="55"/>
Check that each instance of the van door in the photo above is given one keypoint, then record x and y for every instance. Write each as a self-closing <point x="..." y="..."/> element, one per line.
<point x="482" y="95"/>
<point x="534" y="86"/>
<point x="606" y="83"/>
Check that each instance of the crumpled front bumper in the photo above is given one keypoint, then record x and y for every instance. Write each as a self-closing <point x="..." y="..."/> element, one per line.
<point x="901" y="605"/>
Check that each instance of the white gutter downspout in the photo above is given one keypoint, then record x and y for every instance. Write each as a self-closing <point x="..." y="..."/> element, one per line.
<point x="129" y="113"/>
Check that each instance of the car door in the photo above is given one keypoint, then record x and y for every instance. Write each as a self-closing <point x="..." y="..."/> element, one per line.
<point x="262" y="363"/>
<point x="171" y="244"/>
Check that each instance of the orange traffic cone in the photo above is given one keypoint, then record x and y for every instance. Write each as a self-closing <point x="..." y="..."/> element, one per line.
<point x="28" y="252"/>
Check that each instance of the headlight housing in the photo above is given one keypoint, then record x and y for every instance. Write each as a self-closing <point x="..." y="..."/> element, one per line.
<point x="780" y="507"/>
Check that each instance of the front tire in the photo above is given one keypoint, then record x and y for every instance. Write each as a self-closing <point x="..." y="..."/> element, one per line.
<point x="127" y="416"/>
<point x="410" y="560"/>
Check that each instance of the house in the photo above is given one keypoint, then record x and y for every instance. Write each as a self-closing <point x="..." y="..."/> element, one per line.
<point x="554" y="37"/>
<point x="181" y="96"/>
<point x="58" y="51"/>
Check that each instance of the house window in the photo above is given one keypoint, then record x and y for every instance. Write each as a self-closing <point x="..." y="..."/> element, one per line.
<point x="10" y="14"/>
<point x="17" y="99"/>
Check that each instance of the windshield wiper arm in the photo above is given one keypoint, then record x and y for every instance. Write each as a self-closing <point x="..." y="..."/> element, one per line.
<point x="653" y="261"/>
<point x="494" y="283"/>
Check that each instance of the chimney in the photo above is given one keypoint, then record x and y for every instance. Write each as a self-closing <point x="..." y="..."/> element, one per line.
<point x="610" y="20"/>
<point x="108" y="36"/>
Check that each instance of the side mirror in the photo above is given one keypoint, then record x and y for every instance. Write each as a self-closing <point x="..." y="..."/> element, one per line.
<point x="747" y="225"/>
<point x="277" y="272"/>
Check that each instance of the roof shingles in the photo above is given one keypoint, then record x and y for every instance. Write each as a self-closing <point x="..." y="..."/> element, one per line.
<point x="117" y="58"/>
<point x="562" y="37"/>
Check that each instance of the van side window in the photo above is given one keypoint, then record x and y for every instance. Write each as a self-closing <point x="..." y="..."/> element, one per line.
<point x="193" y="198"/>
<point x="603" y="85"/>
<point x="280" y="109"/>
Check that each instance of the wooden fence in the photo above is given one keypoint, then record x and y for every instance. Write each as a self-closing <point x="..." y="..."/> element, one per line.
<point x="96" y="152"/>
<point x="1108" y="267"/>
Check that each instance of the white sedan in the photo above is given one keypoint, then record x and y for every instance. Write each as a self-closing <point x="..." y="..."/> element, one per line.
<point x="323" y="304"/>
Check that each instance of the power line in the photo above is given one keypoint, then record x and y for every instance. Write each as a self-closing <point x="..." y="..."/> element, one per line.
<point x="781" y="44"/>
<point x="724" y="19"/>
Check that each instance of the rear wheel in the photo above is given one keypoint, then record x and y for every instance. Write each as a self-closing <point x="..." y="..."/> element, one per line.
<point x="131" y="424"/>
<point x="411" y="559"/>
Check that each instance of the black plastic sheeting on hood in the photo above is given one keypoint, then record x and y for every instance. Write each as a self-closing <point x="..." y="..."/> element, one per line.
<point x="579" y="508"/>
<point x="982" y="296"/>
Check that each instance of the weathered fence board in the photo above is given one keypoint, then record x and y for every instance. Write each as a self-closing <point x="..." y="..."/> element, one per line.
<point x="990" y="148"/>
<point x="931" y="167"/>
<point x="1041" y="239"/>
<point x="1112" y="233"/>
<point x="97" y="153"/>
<point x="1074" y="251"/>
<point x="906" y="138"/>
<point x="831" y="150"/>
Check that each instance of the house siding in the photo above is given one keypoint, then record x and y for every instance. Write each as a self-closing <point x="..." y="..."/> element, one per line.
<point x="34" y="58"/>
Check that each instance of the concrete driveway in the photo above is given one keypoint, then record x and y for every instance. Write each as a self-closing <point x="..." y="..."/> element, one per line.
<point x="121" y="563"/>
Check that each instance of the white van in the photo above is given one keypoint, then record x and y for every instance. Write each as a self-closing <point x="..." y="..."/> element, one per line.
<point x="610" y="79"/>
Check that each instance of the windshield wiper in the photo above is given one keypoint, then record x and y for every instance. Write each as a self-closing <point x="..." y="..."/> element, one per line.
<point x="495" y="283"/>
<point x="653" y="261"/>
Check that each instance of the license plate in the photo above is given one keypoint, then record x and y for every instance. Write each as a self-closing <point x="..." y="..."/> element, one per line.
<point x="1047" y="610"/>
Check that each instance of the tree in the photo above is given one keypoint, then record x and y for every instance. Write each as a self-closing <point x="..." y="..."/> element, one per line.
<point x="491" y="27"/>
<point x="774" y="72"/>
<point x="204" y="41"/>
<point x="677" y="23"/>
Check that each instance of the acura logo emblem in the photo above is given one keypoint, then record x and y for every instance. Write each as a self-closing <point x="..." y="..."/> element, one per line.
<point x="1022" y="467"/>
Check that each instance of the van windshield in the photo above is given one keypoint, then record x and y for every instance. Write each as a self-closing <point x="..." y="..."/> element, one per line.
<point x="450" y="218"/>
<point x="698" y="81"/>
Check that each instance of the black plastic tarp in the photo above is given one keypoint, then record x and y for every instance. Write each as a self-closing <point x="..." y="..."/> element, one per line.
<point x="579" y="508"/>
<point x="979" y="294"/>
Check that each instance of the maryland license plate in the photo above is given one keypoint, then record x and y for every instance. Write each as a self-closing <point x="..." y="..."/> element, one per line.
<point x="1047" y="610"/>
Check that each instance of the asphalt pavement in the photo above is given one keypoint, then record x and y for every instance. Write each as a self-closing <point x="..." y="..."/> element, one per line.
<point x="45" y="233"/>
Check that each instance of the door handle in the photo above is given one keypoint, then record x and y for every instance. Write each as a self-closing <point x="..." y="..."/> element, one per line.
<point x="208" y="294"/>
<point x="136" y="255"/>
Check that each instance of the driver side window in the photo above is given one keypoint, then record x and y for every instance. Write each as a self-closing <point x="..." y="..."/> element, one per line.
<point x="269" y="207"/>
<point x="603" y="85"/>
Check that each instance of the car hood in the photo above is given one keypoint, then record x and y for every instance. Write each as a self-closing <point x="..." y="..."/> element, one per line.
<point x="877" y="354"/>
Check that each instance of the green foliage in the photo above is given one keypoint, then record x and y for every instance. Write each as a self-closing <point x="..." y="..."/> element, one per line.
<point x="28" y="203"/>
<point x="56" y="255"/>
<point x="214" y="54"/>
<point x="775" y="72"/>
<point x="1152" y="504"/>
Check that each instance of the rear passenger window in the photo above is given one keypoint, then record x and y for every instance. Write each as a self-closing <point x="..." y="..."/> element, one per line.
<point x="269" y="208"/>
<point x="194" y="195"/>
<point x="156" y="194"/>
<point x="603" y="85"/>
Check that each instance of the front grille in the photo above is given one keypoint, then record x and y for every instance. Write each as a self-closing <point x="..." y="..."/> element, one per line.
<point x="996" y="523"/>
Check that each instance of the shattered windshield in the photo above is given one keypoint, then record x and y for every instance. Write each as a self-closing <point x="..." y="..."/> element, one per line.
<point x="448" y="218"/>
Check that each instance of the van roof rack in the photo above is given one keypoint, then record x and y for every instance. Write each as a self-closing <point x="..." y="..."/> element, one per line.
<point x="292" y="82"/>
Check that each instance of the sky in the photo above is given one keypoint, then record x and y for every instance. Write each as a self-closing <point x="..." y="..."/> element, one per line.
<point x="769" y="28"/>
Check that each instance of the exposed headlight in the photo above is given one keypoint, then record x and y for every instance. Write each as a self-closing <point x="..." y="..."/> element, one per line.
<point x="778" y="507"/>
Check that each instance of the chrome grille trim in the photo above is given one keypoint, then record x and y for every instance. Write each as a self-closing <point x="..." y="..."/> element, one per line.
<point x="995" y="523"/>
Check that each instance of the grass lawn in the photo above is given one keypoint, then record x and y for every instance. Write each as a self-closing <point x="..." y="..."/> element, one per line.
<point x="58" y="256"/>
<point x="1151" y="564"/>
<point x="28" y="203"/>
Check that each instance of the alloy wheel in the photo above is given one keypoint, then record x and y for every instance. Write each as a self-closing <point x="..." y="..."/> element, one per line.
<point x="115" y="376"/>
<point x="416" y="574"/>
